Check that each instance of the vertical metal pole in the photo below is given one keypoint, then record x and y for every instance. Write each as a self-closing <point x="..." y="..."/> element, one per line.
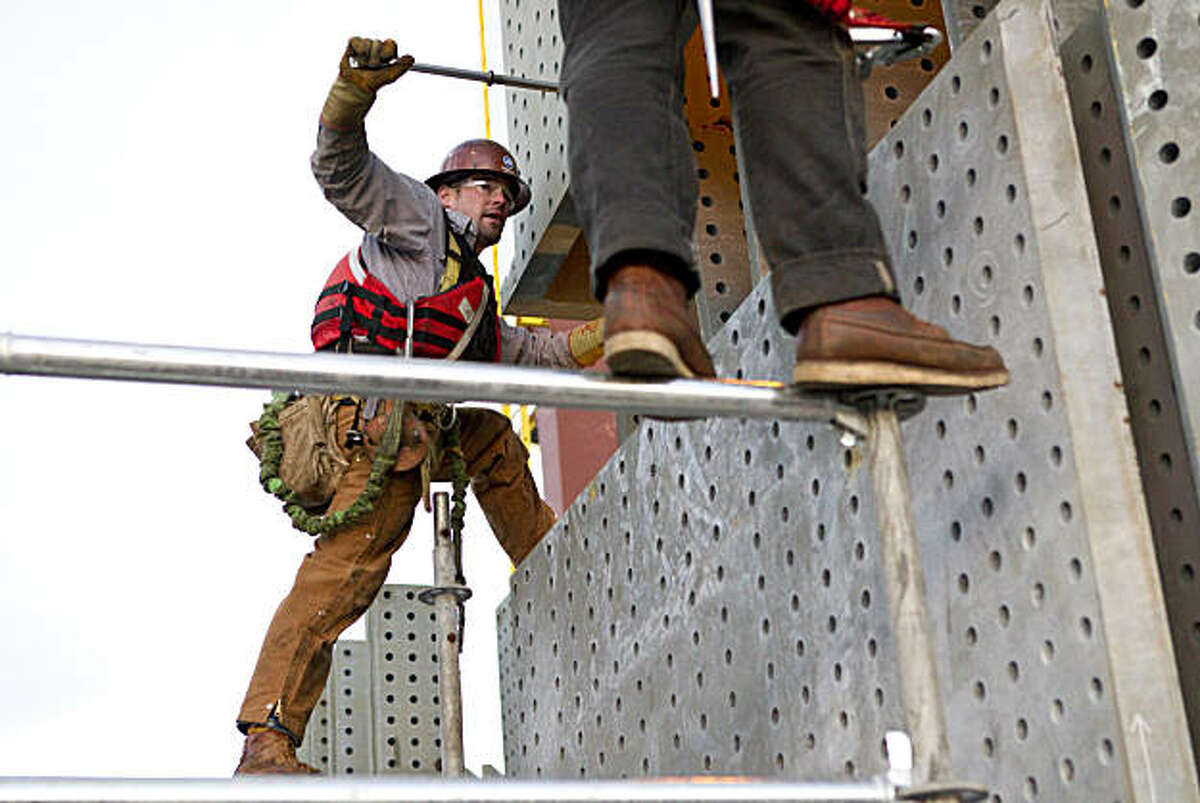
<point x="906" y="597"/>
<point x="445" y="604"/>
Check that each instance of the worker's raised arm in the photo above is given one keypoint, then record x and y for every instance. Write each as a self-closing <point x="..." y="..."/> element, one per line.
<point x="394" y="207"/>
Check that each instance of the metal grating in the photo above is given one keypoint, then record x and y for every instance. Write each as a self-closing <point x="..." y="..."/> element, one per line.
<point x="710" y="604"/>
<point x="1140" y="319"/>
<point x="403" y="637"/>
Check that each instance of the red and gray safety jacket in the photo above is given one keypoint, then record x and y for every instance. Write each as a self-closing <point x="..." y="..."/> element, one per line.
<point x="356" y="312"/>
<point x="405" y="246"/>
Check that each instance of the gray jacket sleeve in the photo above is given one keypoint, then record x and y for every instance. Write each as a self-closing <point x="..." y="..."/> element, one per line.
<point x="393" y="207"/>
<point x="535" y="347"/>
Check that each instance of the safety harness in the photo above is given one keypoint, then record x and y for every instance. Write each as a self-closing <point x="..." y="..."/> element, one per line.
<point x="356" y="312"/>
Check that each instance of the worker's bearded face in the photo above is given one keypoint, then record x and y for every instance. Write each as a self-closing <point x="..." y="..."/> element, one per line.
<point x="486" y="201"/>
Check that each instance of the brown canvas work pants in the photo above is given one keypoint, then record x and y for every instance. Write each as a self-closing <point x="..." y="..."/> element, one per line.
<point x="341" y="576"/>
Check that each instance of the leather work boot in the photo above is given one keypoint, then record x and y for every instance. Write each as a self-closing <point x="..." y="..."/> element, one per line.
<point x="872" y="342"/>
<point x="271" y="752"/>
<point x="649" y="330"/>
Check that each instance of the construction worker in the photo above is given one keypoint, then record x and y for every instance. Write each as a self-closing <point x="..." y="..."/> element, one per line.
<point x="421" y="245"/>
<point x="798" y="113"/>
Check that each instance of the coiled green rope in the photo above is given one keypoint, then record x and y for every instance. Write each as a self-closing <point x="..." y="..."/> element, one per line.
<point x="385" y="456"/>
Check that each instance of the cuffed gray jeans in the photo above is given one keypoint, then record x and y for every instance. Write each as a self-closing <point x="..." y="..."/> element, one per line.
<point x="798" y="111"/>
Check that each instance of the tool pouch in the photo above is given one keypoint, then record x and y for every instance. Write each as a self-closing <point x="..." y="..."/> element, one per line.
<point x="312" y="463"/>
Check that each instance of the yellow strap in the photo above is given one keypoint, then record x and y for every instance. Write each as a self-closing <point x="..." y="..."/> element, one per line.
<point x="453" y="264"/>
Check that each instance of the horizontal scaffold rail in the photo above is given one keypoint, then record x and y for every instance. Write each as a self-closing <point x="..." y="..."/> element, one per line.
<point x="710" y="788"/>
<point x="414" y="379"/>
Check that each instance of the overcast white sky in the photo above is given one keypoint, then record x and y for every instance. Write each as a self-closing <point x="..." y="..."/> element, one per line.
<point x="156" y="189"/>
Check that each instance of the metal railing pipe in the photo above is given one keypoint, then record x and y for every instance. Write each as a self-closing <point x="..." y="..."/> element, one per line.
<point x="709" y="788"/>
<point x="413" y="379"/>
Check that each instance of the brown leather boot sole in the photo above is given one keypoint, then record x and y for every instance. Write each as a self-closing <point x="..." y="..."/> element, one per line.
<point x="844" y="374"/>
<point x="644" y="353"/>
<point x="874" y="342"/>
<point x="649" y="328"/>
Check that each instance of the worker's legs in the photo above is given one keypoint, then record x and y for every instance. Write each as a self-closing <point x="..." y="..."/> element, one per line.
<point x="633" y="178"/>
<point x="798" y="113"/>
<point x="497" y="463"/>
<point x="335" y="584"/>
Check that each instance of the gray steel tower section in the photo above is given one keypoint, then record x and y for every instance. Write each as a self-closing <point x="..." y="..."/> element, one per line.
<point x="1029" y="497"/>
<point x="1151" y="260"/>
<point x="963" y="16"/>
<point x="711" y="603"/>
<point x="380" y="711"/>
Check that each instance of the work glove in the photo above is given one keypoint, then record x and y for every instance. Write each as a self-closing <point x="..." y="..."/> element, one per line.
<point x="586" y="342"/>
<point x="367" y="65"/>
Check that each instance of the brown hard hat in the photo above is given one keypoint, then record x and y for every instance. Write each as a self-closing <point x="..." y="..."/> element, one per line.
<point x="483" y="157"/>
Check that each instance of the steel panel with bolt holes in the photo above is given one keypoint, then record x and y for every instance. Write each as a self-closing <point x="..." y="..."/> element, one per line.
<point x="407" y="711"/>
<point x="315" y="750"/>
<point x="963" y="16"/>
<point x="1155" y="52"/>
<point x="711" y="604"/>
<point x="379" y="713"/>
<point x="1037" y="543"/>
<point x="350" y="699"/>
<point x="1150" y="287"/>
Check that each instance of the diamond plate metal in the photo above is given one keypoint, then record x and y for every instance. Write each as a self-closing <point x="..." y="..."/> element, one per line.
<point x="1168" y="473"/>
<point x="402" y="632"/>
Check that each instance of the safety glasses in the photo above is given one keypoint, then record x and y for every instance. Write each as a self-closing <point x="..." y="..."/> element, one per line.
<point x="489" y="187"/>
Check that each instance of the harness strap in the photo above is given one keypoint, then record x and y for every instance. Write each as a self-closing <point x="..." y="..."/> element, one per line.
<point x="454" y="260"/>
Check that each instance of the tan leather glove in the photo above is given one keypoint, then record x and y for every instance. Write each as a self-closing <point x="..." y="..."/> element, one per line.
<point x="586" y="342"/>
<point x="353" y="92"/>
